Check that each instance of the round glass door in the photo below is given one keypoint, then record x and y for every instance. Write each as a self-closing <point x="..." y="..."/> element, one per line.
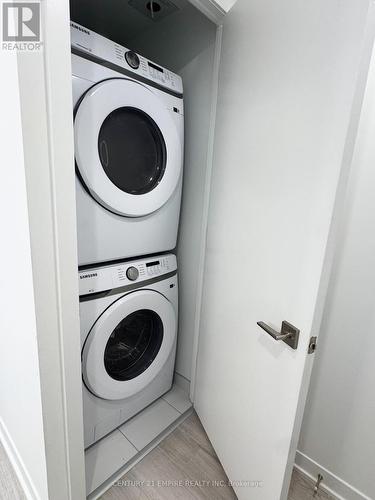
<point x="129" y="344"/>
<point x="133" y="345"/>
<point x="132" y="150"/>
<point x="128" y="147"/>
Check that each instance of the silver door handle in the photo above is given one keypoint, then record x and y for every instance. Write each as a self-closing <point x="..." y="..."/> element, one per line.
<point x="289" y="333"/>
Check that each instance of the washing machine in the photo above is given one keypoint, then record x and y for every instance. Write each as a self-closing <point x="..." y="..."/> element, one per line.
<point x="129" y="141"/>
<point x="128" y="315"/>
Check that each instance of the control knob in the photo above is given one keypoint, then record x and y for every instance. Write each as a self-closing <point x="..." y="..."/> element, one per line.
<point x="132" y="273"/>
<point x="132" y="59"/>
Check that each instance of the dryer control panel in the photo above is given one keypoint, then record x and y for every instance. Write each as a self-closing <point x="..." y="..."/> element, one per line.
<point x="101" y="279"/>
<point x="88" y="41"/>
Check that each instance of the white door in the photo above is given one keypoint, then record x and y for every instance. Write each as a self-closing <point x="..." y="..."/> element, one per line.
<point x="287" y="81"/>
<point x="127" y="147"/>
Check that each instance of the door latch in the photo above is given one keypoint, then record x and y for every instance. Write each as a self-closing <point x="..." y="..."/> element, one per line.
<point x="312" y="345"/>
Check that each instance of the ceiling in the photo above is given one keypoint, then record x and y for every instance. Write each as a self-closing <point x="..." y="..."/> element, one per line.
<point x="117" y="20"/>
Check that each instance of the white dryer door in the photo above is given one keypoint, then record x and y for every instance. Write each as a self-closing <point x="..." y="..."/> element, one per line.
<point x="127" y="147"/>
<point x="129" y="345"/>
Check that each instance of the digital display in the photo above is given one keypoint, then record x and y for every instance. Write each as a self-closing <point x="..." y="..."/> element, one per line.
<point x="156" y="67"/>
<point x="155" y="263"/>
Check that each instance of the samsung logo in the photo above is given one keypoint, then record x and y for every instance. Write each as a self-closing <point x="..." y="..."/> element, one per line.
<point x="84" y="276"/>
<point x="79" y="28"/>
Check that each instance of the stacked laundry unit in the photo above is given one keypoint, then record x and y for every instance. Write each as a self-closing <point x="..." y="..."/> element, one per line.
<point x="129" y="135"/>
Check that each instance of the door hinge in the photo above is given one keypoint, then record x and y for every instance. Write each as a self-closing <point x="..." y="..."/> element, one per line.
<point x="312" y="345"/>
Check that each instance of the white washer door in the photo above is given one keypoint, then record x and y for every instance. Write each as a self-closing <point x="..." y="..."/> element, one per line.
<point x="129" y="345"/>
<point x="127" y="147"/>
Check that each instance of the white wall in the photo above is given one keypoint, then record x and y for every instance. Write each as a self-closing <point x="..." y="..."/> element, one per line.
<point x="338" y="428"/>
<point x="198" y="78"/>
<point x="21" y="424"/>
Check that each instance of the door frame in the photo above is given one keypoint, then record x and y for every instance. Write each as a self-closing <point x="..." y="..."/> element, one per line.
<point x="48" y="150"/>
<point x="337" y="223"/>
<point x="210" y="9"/>
<point x="50" y="184"/>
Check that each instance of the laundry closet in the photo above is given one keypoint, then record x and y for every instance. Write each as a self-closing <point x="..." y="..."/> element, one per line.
<point x="178" y="39"/>
<point x="259" y="104"/>
<point x="130" y="421"/>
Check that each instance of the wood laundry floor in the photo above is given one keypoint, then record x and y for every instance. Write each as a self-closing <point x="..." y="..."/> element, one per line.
<point x="185" y="455"/>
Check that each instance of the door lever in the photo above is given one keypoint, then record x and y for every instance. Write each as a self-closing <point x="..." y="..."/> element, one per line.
<point x="289" y="333"/>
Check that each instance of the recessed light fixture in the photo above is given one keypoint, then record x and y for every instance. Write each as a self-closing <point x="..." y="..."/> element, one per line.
<point x="154" y="9"/>
<point x="153" y="6"/>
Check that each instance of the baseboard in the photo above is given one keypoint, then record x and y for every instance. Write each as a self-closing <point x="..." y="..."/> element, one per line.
<point x="331" y="483"/>
<point x="16" y="462"/>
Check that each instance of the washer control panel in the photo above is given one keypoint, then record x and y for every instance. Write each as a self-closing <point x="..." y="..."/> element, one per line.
<point x="101" y="279"/>
<point x="157" y="267"/>
<point x="88" y="41"/>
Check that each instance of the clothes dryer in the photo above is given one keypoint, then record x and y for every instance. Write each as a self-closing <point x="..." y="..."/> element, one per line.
<point x="129" y="141"/>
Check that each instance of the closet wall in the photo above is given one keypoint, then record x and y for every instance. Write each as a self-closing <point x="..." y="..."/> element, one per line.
<point x="191" y="54"/>
<point x="184" y="42"/>
<point x="337" y="437"/>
